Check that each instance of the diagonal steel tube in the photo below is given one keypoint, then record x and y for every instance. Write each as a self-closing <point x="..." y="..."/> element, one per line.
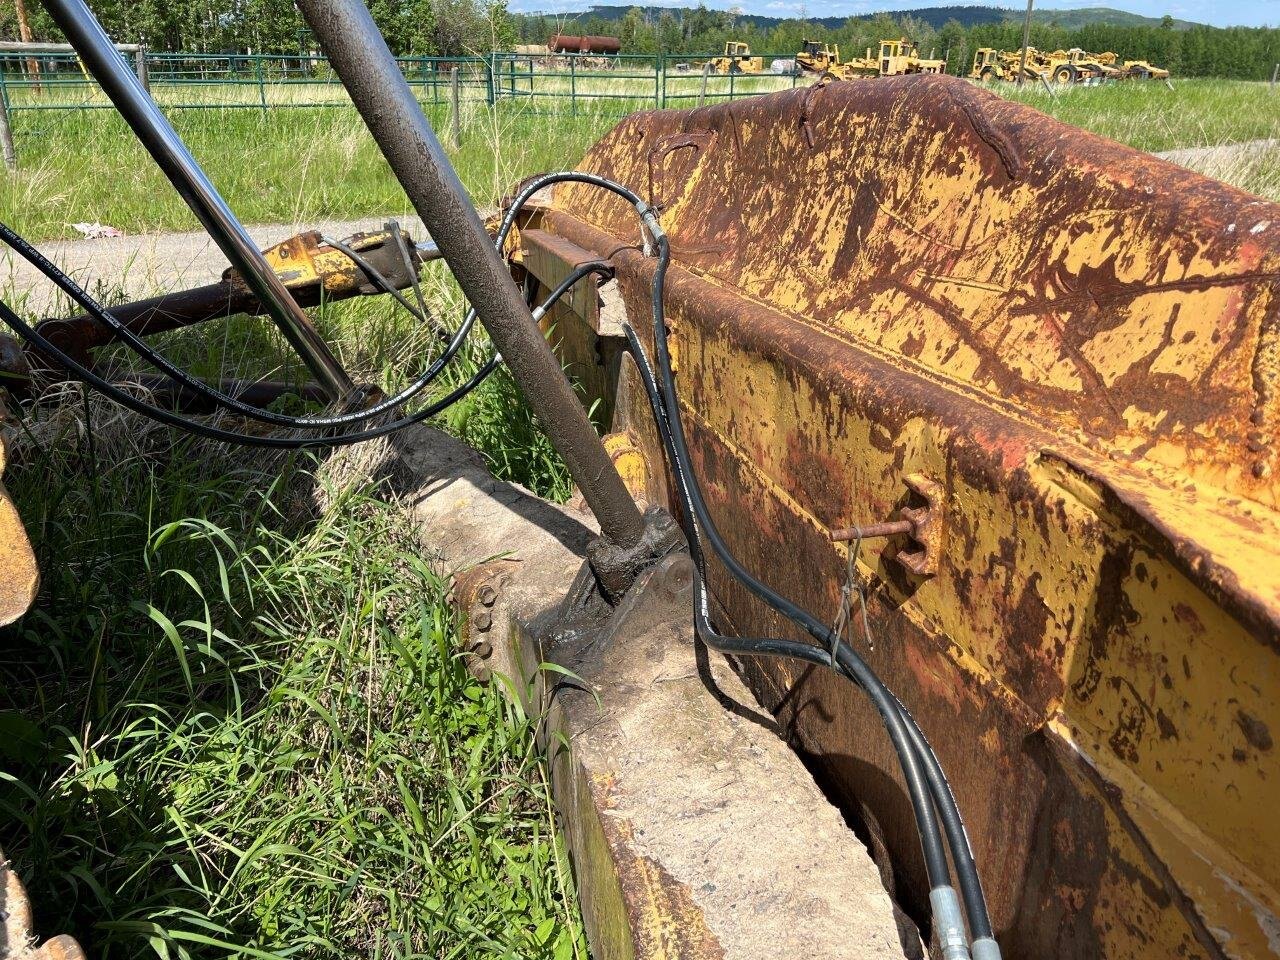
<point x="347" y="34"/>
<point x="121" y="85"/>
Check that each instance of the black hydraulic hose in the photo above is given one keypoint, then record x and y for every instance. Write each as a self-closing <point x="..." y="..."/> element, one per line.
<point x="905" y="733"/>
<point x="917" y="786"/>
<point x="944" y="800"/>
<point x="419" y="312"/>
<point x="564" y="176"/>
<point x="167" y="417"/>
<point x="160" y="362"/>
<point x="967" y="879"/>
<point x="125" y="399"/>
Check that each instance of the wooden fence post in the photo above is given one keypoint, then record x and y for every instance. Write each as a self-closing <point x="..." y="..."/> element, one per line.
<point x="140" y="64"/>
<point x="1274" y="75"/>
<point x="702" y="94"/>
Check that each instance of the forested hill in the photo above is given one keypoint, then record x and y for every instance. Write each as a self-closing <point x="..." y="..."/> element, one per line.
<point x="936" y="17"/>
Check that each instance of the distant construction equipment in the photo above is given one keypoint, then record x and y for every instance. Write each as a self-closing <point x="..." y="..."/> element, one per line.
<point x="897" y="58"/>
<point x="737" y="58"/>
<point x="1060" y="66"/>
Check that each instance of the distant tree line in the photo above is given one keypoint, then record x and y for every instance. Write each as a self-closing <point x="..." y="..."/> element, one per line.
<point x="462" y="27"/>
<point x="1245" y="53"/>
<point x="412" y="27"/>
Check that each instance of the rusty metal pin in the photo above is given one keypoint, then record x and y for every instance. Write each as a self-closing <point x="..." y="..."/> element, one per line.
<point x="889" y="528"/>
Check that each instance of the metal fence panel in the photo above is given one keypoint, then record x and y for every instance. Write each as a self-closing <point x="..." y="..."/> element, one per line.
<point x="618" y="83"/>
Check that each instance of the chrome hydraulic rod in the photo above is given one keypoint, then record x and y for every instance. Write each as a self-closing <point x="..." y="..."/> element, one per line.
<point x="121" y="85"/>
<point x="350" y="39"/>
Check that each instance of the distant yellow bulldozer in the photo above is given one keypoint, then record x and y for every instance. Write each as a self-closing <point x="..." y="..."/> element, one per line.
<point x="820" y="58"/>
<point x="902" y="56"/>
<point x="992" y="64"/>
<point x="737" y="58"/>
<point x="897" y="58"/>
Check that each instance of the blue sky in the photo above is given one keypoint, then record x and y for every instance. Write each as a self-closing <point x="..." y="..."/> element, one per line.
<point x="1222" y="13"/>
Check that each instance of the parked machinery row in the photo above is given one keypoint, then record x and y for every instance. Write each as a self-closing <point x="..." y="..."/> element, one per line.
<point x="1060" y="66"/>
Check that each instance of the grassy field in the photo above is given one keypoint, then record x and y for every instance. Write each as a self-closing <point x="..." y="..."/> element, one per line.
<point x="307" y="164"/>
<point x="235" y="723"/>
<point x="291" y="165"/>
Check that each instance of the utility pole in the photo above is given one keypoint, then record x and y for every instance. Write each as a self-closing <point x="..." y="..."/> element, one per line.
<point x="1026" y="41"/>
<point x="25" y="35"/>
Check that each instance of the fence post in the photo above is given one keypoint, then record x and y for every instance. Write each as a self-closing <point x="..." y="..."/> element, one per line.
<point x="702" y="92"/>
<point x="1274" y="75"/>
<point x="660" y="82"/>
<point x="731" y="76"/>
<point x="6" y="134"/>
<point x="573" y="84"/>
<point x="140" y="65"/>
<point x="488" y="78"/>
<point x="262" y="89"/>
<point x="455" y="95"/>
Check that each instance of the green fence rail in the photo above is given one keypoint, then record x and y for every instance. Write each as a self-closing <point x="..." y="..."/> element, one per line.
<point x="184" y="81"/>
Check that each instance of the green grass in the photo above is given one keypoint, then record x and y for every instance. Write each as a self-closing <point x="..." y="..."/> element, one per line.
<point x="290" y="760"/>
<point x="1150" y="116"/>
<point x="235" y="723"/>
<point x="289" y="165"/>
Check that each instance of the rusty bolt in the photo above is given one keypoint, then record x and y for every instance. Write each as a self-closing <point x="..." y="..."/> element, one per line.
<point x="676" y="576"/>
<point x="889" y="528"/>
<point x="483" y="620"/>
<point x="488" y="595"/>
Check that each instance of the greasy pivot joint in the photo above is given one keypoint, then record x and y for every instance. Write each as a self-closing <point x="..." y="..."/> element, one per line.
<point x="616" y="567"/>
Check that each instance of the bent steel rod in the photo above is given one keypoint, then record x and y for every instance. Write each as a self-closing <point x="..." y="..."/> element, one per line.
<point x="121" y="85"/>
<point x="350" y="39"/>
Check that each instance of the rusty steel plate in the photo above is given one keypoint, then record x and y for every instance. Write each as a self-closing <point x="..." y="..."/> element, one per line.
<point x="1078" y="346"/>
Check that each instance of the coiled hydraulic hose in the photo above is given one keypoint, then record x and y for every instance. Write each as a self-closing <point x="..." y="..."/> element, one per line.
<point x="926" y="783"/>
<point x="930" y="793"/>
<point x="198" y="428"/>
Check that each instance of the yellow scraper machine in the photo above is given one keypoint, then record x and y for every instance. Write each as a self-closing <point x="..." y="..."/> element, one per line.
<point x="1030" y="475"/>
<point x="1060" y="67"/>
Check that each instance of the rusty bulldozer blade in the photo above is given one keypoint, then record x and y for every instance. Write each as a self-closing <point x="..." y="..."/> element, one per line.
<point x="1080" y="345"/>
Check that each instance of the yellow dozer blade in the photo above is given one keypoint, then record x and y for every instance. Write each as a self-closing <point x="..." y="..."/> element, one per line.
<point x="1061" y="356"/>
